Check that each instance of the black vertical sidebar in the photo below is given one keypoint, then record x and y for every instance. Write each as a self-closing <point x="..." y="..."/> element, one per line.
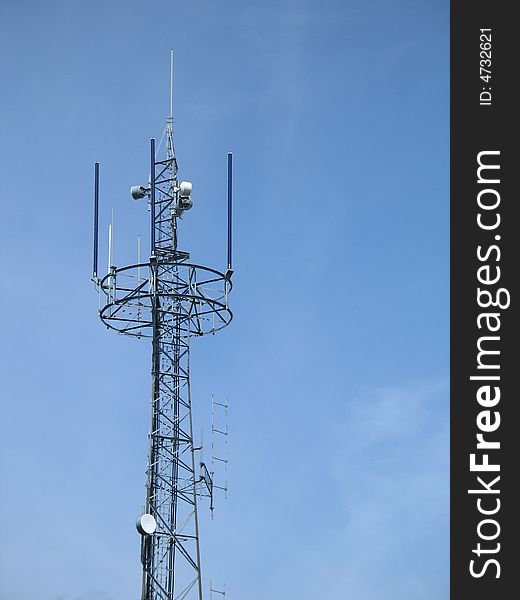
<point x="485" y="360"/>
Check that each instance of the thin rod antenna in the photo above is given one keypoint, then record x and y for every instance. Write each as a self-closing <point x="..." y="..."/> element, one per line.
<point x="109" y="246"/>
<point x="96" y="220"/>
<point x="152" y="196"/>
<point x="171" y="83"/>
<point x="230" y="208"/>
<point x="111" y="249"/>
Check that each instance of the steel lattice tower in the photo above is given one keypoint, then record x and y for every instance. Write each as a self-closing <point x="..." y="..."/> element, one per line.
<point x="171" y="300"/>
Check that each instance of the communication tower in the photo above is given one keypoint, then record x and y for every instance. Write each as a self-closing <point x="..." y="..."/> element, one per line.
<point x="170" y="300"/>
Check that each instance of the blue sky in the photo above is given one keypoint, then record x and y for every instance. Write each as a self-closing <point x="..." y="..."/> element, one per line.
<point x="336" y="364"/>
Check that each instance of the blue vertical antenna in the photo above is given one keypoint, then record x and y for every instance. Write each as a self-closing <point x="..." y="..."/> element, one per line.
<point x="230" y="209"/>
<point x="152" y="195"/>
<point x="96" y="219"/>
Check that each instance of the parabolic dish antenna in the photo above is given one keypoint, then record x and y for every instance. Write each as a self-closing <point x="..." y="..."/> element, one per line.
<point x="146" y="524"/>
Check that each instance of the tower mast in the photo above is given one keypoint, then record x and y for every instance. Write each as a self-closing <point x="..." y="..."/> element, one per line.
<point x="175" y="301"/>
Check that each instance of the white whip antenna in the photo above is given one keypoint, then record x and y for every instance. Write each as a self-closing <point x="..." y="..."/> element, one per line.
<point x="111" y="243"/>
<point x="109" y="247"/>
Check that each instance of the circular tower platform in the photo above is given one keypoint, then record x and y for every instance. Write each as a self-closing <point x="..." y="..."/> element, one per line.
<point x="193" y="296"/>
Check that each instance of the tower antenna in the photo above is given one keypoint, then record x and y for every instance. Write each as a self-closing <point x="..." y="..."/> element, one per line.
<point x="171" y="84"/>
<point x="170" y="300"/>
<point x="229" y="212"/>
<point x="96" y="221"/>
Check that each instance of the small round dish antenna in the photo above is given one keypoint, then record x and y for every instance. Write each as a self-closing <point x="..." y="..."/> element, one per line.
<point x="185" y="189"/>
<point x="146" y="524"/>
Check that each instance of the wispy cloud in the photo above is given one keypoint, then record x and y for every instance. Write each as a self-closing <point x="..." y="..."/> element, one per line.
<point x="392" y="475"/>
